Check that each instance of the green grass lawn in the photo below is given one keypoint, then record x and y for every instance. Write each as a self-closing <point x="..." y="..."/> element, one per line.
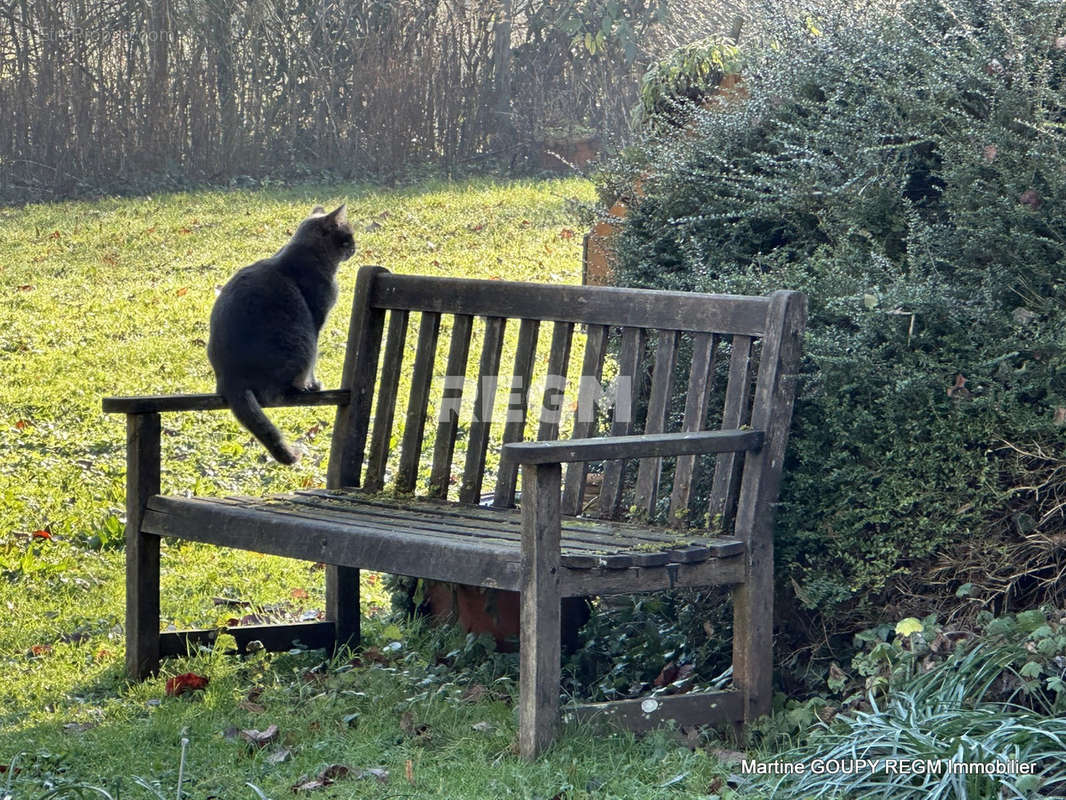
<point x="112" y="297"/>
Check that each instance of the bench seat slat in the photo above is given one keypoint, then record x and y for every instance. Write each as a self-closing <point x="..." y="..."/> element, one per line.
<point x="509" y="526"/>
<point x="495" y="517"/>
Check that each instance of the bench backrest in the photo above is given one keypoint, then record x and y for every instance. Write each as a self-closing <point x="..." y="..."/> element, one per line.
<point x="646" y="342"/>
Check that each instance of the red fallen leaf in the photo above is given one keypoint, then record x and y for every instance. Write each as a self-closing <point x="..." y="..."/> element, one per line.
<point x="7" y="768"/>
<point x="372" y="578"/>
<point x="260" y="738"/>
<point x="22" y="424"/>
<point x="103" y="654"/>
<point x="42" y="534"/>
<point x="480" y="226"/>
<point x="959" y="390"/>
<point x="26" y="287"/>
<point x="184" y="290"/>
<point x="1031" y="198"/>
<point x="375" y="655"/>
<point x="184" y="230"/>
<point x="667" y="675"/>
<point x="566" y="233"/>
<point x="41" y="649"/>
<point x="299" y="594"/>
<point x="54" y="235"/>
<point x="187" y="682"/>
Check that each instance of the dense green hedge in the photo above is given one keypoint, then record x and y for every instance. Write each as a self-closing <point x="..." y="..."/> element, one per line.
<point x="908" y="172"/>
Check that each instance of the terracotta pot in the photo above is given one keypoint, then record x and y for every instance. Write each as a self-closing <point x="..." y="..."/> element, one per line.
<point x="496" y="612"/>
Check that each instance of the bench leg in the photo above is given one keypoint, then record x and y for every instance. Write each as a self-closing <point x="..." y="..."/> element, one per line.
<point x="342" y="604"/>
<point x="753" y="627"/>
<point x="539" y="657"/>
<point x="142" y="550"/>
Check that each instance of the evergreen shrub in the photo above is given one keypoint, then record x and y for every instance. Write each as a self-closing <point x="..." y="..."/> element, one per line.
<point x="907" y="170"/>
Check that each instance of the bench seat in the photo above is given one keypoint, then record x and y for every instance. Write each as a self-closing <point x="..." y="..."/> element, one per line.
<point x="447" y="541"/>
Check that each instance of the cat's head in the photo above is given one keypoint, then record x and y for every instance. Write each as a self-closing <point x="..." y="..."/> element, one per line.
<point x="331" y="233"/>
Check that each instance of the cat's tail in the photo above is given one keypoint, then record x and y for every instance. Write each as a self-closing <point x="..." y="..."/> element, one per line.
<point x="249" y="413"/>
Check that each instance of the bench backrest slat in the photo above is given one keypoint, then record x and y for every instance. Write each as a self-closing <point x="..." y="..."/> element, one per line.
<point x="697" y="397"/>
<point x="480" y="427"/>
<point x="597" y="305"/>
<point x="628" y="397"/>
<point x="387" y="395"/>
<point x="585" y="414"/>
<point x="736" y="413"/>
<point x="617" y="361"/>
<point x="662" y="381"/>
<point x="448" y="424"/>
<point x="514" y="430"/>
<point x="418" y="403"/>
<point x="554" y="388"/>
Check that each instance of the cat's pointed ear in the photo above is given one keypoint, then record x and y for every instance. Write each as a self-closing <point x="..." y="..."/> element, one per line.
<point x="317" y="210"/>
<point x="340" y="215"/>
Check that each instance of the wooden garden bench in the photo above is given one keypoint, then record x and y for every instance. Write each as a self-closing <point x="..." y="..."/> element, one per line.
<point x="558" y="545"/>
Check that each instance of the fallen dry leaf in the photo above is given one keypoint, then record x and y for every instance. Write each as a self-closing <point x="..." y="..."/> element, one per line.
<point x="279" y="756"/>
<point x="260" y="738"/>
<point x="725" y="756"/>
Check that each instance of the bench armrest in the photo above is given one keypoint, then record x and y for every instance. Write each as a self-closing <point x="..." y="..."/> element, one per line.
<point x="154" y="404"/>
<point x="651" y="445"/>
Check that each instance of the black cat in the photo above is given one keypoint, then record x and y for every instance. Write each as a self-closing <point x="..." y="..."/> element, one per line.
<point x="266" y="320"/>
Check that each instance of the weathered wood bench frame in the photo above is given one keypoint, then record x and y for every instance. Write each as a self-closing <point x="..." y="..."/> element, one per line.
<point x="536" y="552"/>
